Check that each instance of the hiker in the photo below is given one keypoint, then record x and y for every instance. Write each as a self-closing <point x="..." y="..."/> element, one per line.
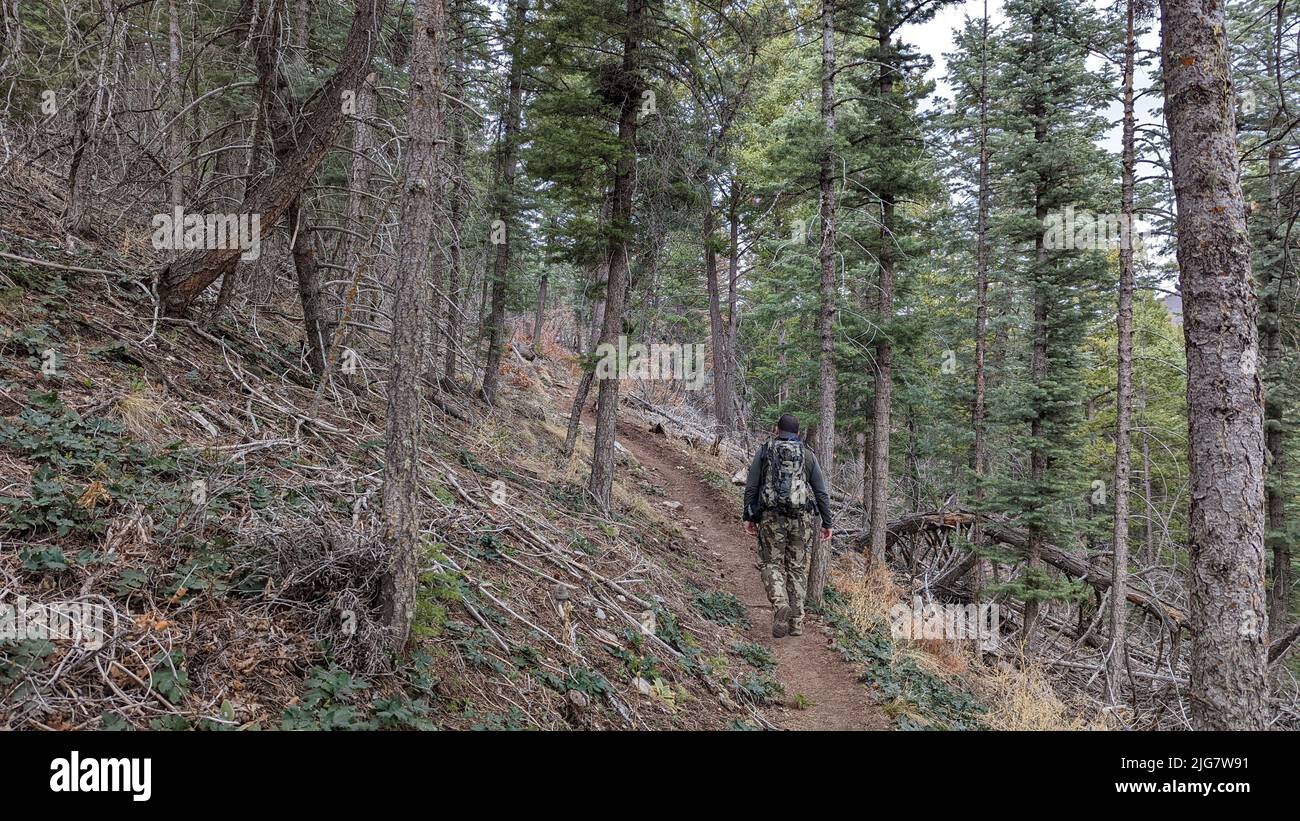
<point x="784" y="486"/>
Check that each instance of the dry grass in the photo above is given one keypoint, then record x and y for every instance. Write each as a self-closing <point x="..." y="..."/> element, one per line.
<point x="1017" y="696"/>
<point x="1021" y="698"/>
<point x="870" y="594"/>
<point x="142" y="415"/>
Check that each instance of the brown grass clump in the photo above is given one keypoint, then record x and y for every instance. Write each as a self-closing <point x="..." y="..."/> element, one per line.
<point x="1021" y="698"/>
<point x="142" y="415"/>
<point x="1017" y="695"/>
<point x="870" y="594"/>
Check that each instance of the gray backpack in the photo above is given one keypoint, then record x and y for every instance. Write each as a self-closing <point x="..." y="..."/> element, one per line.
<point x="785" y="490"/>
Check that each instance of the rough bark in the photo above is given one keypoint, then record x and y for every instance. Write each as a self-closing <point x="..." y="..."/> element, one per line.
<point x="507" y="153"/>
<point x="420" y="227"/>
<point x="717" y="330"/>
<point x="1224" y="394"/>
<point x="979" y="458"/>
<point x="602" y="459"/>
<point x="735" y="416"/>
<point x="459" y="149"/>
<point x="310" y="291"/>
<point x="883" y="375"/>
<point x="820" y="555"/>
<point x="181" y="282"/>
<point x="282" y="120"/>
<point x="1116" y="652"/>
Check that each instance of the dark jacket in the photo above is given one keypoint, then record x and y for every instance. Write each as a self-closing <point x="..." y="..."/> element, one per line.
<point x="811" y="471"/>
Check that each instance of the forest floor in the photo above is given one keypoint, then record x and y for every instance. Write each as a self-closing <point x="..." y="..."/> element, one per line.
<point x="822" y="690"/>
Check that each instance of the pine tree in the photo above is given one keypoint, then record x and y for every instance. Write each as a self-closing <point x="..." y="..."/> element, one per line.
<point x="1048" y="169"/>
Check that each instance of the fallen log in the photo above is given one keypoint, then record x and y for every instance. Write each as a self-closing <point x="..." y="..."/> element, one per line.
<point x="1068" y="563"/>
<point x="1283" y="643"/>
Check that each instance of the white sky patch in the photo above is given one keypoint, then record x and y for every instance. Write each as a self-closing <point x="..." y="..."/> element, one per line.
<point x="937" y="38"/>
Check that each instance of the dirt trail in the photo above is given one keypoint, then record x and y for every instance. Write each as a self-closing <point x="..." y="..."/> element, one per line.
<point x="806" y="665"/>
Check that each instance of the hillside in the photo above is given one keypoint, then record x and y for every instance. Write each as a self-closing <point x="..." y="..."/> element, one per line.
<point x="394" y="365"/>
<point x="221" y="509"/>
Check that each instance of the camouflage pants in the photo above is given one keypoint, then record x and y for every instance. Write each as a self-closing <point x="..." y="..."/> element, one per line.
<point x="783" y="544"/>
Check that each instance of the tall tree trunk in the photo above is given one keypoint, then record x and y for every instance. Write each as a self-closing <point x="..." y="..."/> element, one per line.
<point x="282" y="113"/>
<point x="979" y="457"/>
<point x="1038" y="360"/>
<point x="539" y="319"/>
<point x="820" y="555"/>
<point x="359" y="172"/>
<point x="1148" y="527"/>
<point x="602" y="458"/>
<point x="356" y="213"/>
<point x="1116" y="653"/>
<point x="505" y="204"/>
<point x="310" y="292"/>
<point x="420" y="228"/>
<point x="179" y="283"/>
<point x="301" y="24"/>
<point x="176" y="128"/>
<point x="601" y="278"/>
<point x="459" y="149"/>
<point x="1274" y="417"/>
<point x="885" y="294"/>
<point x="733" y="279"/>
<point x="91" y="120"/>
<point x="1224" y="395"/>
<point x="1275" y="535"/>
<point x="717" y="330"/>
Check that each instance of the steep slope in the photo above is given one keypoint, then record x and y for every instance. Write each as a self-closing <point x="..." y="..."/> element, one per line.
<point x="220" y="508"/>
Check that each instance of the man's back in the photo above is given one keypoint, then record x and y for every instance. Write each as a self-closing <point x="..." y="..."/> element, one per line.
<point x="757" y="478"/>
<point x="784" y="486"/>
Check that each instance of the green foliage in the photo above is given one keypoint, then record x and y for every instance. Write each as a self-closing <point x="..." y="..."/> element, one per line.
<point x="741" y="726"/>
<point x="722" y="607"/>
<point x="514" y="719"/>
<point x="113" y="722"/>
<point x="756" y="656"/>
<point x="636" y="662"/>
<point x="899" y="681"/>
<point x="168" y="676"/>
<point x="17" y="658"/>
<point x="758" y="689"/>
<point x="402" y="714"/>
<point x="71" y="452"/>
<point x="330" y="702"/>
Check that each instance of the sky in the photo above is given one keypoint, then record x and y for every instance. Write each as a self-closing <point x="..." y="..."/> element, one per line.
<point x="936" y="38"/>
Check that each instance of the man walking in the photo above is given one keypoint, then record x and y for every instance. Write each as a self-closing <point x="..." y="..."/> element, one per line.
<point x="784" y="486"/>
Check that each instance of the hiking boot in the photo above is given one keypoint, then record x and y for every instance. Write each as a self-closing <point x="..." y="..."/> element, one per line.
<point x="780" y="621"/>
<point x="796" y="627"/>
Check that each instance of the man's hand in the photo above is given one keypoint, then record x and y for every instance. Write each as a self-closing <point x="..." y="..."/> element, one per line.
<point x="751" y="528"/>
<point x="826" y="533"/>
